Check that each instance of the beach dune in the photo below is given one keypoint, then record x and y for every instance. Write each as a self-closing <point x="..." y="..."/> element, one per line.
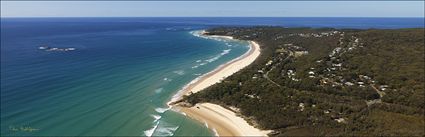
<point x="221" y="120"/>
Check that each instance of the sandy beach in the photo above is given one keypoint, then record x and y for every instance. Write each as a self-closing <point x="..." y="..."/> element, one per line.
<point x="221" y="120"/>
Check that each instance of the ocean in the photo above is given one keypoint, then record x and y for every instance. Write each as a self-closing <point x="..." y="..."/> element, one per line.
<point x="114" y="76"/>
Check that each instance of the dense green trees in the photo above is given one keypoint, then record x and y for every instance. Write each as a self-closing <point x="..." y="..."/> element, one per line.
<point x="342" y="97"/>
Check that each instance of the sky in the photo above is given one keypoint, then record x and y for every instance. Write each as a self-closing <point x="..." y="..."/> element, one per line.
<point x="212" y="9"/>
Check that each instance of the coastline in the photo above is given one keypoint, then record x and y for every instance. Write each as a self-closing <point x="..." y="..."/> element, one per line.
<point x="222" y="121"/>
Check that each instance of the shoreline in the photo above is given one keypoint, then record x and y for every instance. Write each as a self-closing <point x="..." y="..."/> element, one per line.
<point x="222" y="121"/>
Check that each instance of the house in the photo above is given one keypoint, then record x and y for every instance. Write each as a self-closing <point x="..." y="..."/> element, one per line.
<point x="337" y="65"/>
<point x="326" y="111"/>
<point x="349" y="83"/>
<point x="383" y="87"/>
<point x="300" y="53"/>
<point x="301" y="105"/>
<point x="340" y="120"/>
<point x="366" y="77"/>
<point x="291" y="72"/>
<point x="269" y="63"/>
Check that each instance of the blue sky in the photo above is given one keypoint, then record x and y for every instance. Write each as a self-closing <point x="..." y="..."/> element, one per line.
<point x="212" y="9"/>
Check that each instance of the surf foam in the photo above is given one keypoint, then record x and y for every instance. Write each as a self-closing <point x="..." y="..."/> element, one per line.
<point x="161" y="110"/>
<point x="179" y="72"/>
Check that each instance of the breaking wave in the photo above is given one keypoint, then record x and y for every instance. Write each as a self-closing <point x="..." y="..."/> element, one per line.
<point x="215" y="132"/>
<point x="224" y="52"/>
<point x="161" y="128"/>
<point x="198" y="33"/>
<point x="179" y="72"/>
<point x="229" y="45"/>
<point x="156" y="117"/>
<point x="206" y="124"/>
<point x="166" y="129"/>
<point x="159" y="90"/>
<point x="168" y="79"/>
<point x="150" y="132"/>
<point x="161" y="110"/>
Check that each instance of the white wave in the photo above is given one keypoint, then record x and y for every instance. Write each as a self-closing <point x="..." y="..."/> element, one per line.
<point x="196" y="66"/>
<point x="156" y="117"/>
<point x="224" y="52"/>
<point x="198" y="60"/>
<point x="179" y="93"/>
<point x="168" y="79"/>
<point x="169" y="131"/>
<point x="165" y="129"/>
<point x="202" y="64"/>
<point x="215" y="132"/>
<point x="198" y="33"/>
<point x="197" y="74"/>
<point x="213" y="59"/>
<point x="179" y="72"/>
<point x="159" y="90"/>
<point x="161" y="110"/>
<point x="229" y="45"/>
<point x="206" y="124"/>
<point x="150" y="132"/>
<point x="170" y="29"/>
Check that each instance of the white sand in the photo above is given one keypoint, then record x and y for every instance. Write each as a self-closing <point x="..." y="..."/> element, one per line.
<point x="220" y="119"/>
<point x="224" y="121"/>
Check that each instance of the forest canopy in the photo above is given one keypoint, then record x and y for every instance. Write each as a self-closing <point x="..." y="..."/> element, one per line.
<point x="327" y="81"/>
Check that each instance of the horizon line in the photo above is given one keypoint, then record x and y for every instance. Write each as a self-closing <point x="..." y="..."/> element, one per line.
<point x="208" y="17"/>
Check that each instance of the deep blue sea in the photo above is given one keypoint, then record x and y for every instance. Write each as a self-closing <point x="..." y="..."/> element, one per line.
<point x="122" y="72"/>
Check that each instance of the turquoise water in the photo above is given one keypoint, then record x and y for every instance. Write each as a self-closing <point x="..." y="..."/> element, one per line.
<point x="116" y="82"/>
<point x="123" y="71"/>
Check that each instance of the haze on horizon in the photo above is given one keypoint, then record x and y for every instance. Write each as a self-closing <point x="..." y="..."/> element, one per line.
<point x="212" y="9"/>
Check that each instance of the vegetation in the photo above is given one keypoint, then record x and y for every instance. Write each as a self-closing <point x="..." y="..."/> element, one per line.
<point x="327" y="81"/>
